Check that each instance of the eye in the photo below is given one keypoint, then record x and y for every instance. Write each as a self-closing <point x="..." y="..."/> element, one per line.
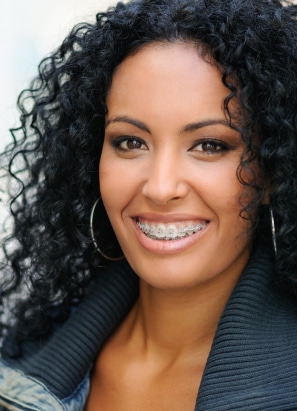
<point x="132" y="144"/>
<point x="128" y="143"/>
<point x="210" y="146"/>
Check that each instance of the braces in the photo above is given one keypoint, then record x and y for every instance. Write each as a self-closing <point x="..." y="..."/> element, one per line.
<point x="158" y="232"/>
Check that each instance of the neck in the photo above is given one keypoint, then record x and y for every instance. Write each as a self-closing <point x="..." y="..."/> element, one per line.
<point x="176" y="323"/>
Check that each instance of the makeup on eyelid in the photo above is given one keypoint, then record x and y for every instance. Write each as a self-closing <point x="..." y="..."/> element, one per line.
<point x="211" y="145"/>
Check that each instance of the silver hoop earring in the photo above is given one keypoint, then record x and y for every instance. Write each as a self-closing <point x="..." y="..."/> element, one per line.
<point x="273" y="229"/>
<point x="93" y="235"/>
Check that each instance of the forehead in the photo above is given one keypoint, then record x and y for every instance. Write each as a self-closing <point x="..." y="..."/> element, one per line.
<point x="165" y="80"/>
<point x="164" y="61"/>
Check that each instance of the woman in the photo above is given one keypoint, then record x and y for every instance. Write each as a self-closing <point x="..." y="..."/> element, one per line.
<point x="153" y="263"/>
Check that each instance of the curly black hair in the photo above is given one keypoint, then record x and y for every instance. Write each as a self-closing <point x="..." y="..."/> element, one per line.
<point x="49" y="257"/>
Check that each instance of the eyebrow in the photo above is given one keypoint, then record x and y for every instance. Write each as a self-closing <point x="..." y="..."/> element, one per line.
<point x="188" y="128"/>
<point x="200" y="124"/>
<point x="125" y="119"/>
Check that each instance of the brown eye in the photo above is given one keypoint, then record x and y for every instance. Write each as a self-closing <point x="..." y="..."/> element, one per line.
<point x="133" y="144"/>
<point x="209" y="146"/>
<point x="128" y="143"/>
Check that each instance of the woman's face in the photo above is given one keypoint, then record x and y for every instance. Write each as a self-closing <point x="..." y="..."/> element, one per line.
<point x="168" y="169"/>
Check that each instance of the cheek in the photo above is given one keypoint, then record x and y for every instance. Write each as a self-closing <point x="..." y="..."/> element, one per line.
<point x="115" y="184"/>
<point x="109" y="173"/>
<point x="106" y="181"/>
<point x="220" y="188"/>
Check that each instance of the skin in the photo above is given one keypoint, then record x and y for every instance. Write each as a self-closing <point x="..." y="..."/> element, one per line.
<point x="169" y="156"/>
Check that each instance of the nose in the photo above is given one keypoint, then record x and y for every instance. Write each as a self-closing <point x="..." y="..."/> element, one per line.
<point x="165" y="179"/>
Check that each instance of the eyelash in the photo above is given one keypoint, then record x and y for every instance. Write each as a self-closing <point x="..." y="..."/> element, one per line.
<point x="218" y="146"/>
<point x="209" y="146"/>
<point x="118" y="142"/>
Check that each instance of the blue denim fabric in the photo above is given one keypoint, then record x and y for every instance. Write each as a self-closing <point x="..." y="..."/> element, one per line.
<point x="19" y="392"/>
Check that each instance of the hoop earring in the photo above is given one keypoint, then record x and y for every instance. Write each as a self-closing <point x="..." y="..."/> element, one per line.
<point x="273" y="230"/>
<point x="93" y="235"/>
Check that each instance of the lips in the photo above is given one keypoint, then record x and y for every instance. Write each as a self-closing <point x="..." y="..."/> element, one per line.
<point x="170" y="231"/>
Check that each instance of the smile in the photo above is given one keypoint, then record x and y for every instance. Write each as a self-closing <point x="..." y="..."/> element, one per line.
<point x="162" y="231"/>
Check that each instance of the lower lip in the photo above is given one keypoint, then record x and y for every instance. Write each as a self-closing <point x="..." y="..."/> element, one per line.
<point x="166" y="246"/>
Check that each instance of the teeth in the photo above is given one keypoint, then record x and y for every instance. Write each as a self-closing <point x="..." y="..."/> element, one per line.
<point x="160" y="231"/>
<point x="190" y="229"/>
<point x="170" y="231"/>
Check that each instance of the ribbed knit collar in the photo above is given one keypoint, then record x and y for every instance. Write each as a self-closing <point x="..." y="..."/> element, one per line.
<point x="253" y="356"/>
<point x="253" y="361"/>
<point x="65" y="360"/>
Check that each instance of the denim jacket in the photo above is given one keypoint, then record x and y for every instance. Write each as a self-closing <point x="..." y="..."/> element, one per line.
<point x="252" y="364"/>
<point x="26" y="393"/>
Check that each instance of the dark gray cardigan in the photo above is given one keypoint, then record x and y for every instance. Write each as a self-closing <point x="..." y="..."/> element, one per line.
<point x="252" y="365"/>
